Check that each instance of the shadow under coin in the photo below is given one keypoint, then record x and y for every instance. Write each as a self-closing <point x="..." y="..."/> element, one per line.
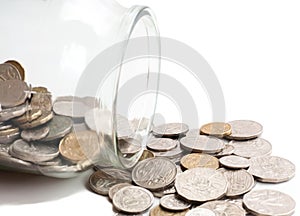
<point x="21" y="188"/>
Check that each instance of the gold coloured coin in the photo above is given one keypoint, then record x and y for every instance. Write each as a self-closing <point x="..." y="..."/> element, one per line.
<point x="146" y="154"/>
<point x="18" y="66"/>
<point x="80" y="146"/>
<point x="199" y="160"/>
<point x="41" y="99"/>
<point x="218" y="129"/>
<point x="159" y="211"/>
<point x="9" y="131"/>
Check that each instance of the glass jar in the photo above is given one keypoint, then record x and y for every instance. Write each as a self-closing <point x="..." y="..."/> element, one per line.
<point x="96" y="53"/>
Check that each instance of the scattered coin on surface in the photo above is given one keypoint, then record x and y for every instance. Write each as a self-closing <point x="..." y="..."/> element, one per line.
<point x="194" y="160"/>
<point x="269" y="203"/>
<point x="133" y="199"/>
<point x="218" y="129"/>
<point x="244" y="130"/>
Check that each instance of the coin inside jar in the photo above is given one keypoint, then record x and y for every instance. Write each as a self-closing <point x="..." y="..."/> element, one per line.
<point x="13" y="93"/>
<point x="9" y="72"/>
<point x="35" y="134"/>
<point x="80" y="146"/>
<point x="18" y="66"/>
<point x="170" y="130"/>
<point x="43" y="119"/>
<point x="162" y="144"/>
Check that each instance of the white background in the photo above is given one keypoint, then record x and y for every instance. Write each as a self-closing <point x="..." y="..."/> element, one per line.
<point x="254" y="49"/>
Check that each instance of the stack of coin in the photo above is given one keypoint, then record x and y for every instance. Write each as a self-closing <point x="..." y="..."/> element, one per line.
<point x="221" y="169"/>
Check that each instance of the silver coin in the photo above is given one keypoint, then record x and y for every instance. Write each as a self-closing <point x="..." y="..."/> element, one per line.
<point x="13" y="112"/>
<point x="252" y="148"/>
<point x="271" y="169"/>
<point x="171" y="154"/>
<point x="200" y="212"/>
<point x="227" y="150"/>
<point x="133" y="199"/>
<point x="80" y="127"/>
<point x="33" y="152"/>
<point x="114" y="189"/>
<point x="59" y="127"/>
<point x="239" y="182"/>
<point x="244" y="130"/>
<point x="140" y="124"/>
<point x="4" y="148"/>
<point x="234" y="162"/>
<point x="129" y="146"/>
<point x="54" y="162"/>
<point x="174" y="203"/>
<point x="202" y="144"/>
<point x="193" y="132"/>
<point x="269" y="203"/>
<point x="13" y="93"/>
<point x="221" y="208"/>
<point x="73" y="109"/>
<point x="169" y="190"/>
<point x="35" y="134"/>
<point x="5" y="126"/>
<point x="154" y="173"/>
<point x="99" y="120"/>
<point x="9" y="72"/>
<point x="162" y="144"/>
<point x="201" y="184"/>
<point x="124" y="130"/>
<point x="170" y="130"/>
<point x="10" y="138"/>
<point x="102" y="180"/>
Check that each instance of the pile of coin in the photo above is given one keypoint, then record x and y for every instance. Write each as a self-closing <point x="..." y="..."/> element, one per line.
<point x="209" y="171"/>
<point x="37" y="135"/>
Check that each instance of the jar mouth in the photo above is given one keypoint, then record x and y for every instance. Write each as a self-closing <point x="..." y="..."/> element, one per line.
<point x="145" y="45"/>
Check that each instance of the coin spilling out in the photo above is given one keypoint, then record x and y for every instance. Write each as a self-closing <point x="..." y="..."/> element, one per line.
<point x="80" y="146"/>
<point x="235" y="162"/>
<point x="201" y="184"/>
<point x="269" y="203"/>
<point x="224" y="208"/>
<point x="114" y="189"/>
<point x="272" y="169"/>
<point x="239" y="182"/>
<point x="170" y="130"/>
<point x="199" y="160"/>
<point x="133" y="199"/>
<point x="244" y="130"/>
<point x="71" y="134"/>
<point x="162" y="144"/>
<point x="174" y="203"/>
<point x="202" y="144"/>
<point x="102" y="180"/>
<point x="218" y="129"/>
<point x="252" y="148"/>
<point x="154" y="173"/>
<point x="200" y="212"/>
